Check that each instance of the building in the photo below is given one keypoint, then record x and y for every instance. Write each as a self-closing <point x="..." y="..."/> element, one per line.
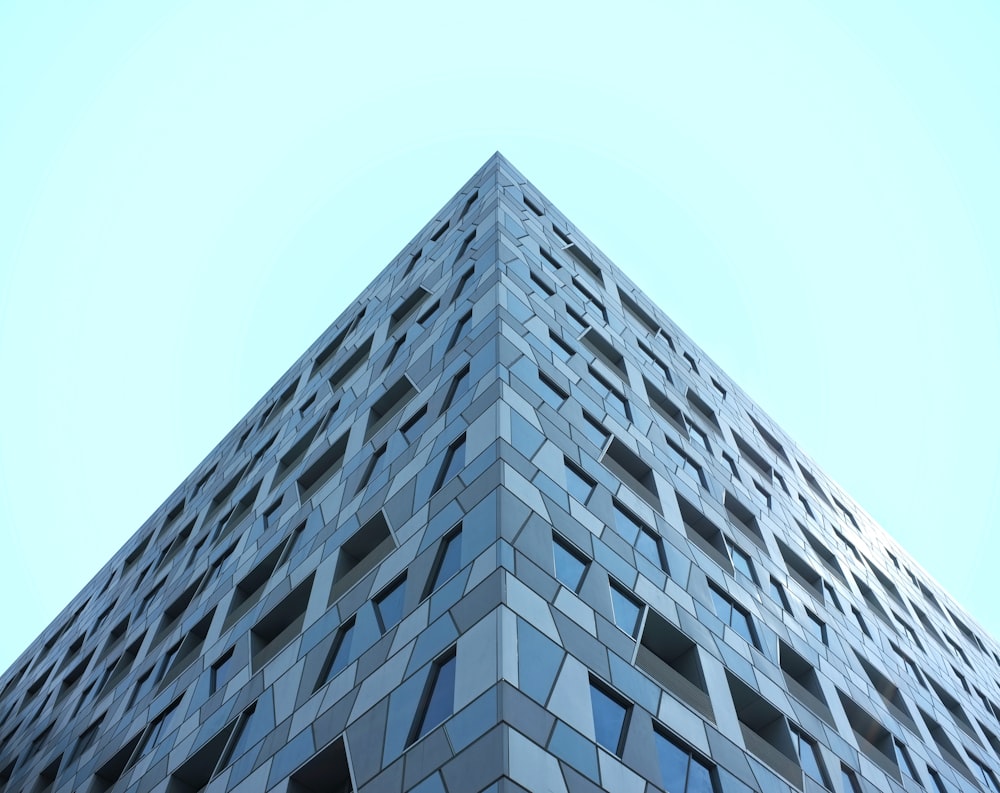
<point x="504" y="528"/>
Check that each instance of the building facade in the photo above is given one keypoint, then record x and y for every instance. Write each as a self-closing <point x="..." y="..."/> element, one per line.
<point x="505" y="528"/>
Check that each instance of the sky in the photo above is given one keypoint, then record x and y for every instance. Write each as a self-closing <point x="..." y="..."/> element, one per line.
<point x="191" y="192"/>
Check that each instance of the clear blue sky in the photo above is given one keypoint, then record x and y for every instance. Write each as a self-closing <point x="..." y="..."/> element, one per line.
<point x="190" y="193"/>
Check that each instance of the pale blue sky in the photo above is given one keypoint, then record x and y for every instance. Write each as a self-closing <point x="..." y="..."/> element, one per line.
<point x="192" y="192"/>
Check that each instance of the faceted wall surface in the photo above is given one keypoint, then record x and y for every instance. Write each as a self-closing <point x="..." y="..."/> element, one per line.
<point x="504" y="527"/>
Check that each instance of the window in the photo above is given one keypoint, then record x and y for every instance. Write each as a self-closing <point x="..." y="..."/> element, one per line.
<point x="816" y="627"/>
<point x="831" y="596"/>
<point x="454" y="461"/>
<point x="683" y="771"/>
<point x="86" y="739"/>
<point x="343" y="372"/>
<point x="741" y="562"/>
<point x="550" y="392"/>
<point x="415" y="425"/>
<point x="560" y="348"/>
<point x="340" y="653"/>
<point x="627" y="610"/>
<point x="280" y="625"/>
<point x="359" y="553"/>
<point x="779" y="596"/>
<point x="542" y="284"/>
<point x="438" y="702"/>
<point x="936" y="782"/>
<point x="605" y="352"/>
<point x="861" y="621"/>
<point x="849" y="780"/>
<point x="734" y="616"/>
<point x="389" y="404"/>
<point x="459" y="386"/>
<point x="326" y="771"/>
<point x="271" y="513"/>
<point x="594" y="431"/>
<point x="424" y="318"/>
<point x="611" y="395"/>
<point x="905" y="763"/>
<point x="808" y="756"/>
<point x="579" y="484"/>
<point x="142" y="687"/>
<point x="247" y="732"/>
<point x="449" y="560"/>
<point x="699" y="435"/>
<point x="570" y="566"/>
<point x="686" y="462"/>
<point x="322" y="469"/>
<point x="657" y="361"/>
<point x="397" y="345"/>
<point x="460" y="328"/>
<point x="610" y="718"/>
<point x="374" y="466"/>
<point x="160" y="727"/>
<point x="984" y="775"/>
<point x="630" y="468"/>
<point x="649" y="545"/>
<point x="690" y="361"/>
<point x="389" y="604"/>
<point x="671" y="658"/>
<point x="732" y="467"/>
<point x="222" y="671"/>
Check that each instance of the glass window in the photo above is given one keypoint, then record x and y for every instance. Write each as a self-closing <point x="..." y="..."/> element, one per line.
<point x="734" y="616"/>
<point x="248" y="731"/>
<point x="222" y="671"/>
<point x="374" y="466"/>
<point x="779" y="596"/>
<point x="650" y="546"/>
<point x="415" y="425"/>
<point x="449" y="560"/>
<point x="627" y="610"/>
<point x="570" y="568"/>
<point x="849" y="782"/>
<point x="808" y="755"/>
<point x="594" y="431"/>
<point x="459" y="386"/>
<point x="936" y="782"/>
<point x="454" y="461"/>
<point x="609" y="719"/>
<point x="905" y="763"/>
<point x="682" y="771"/>
<point x="389" y="604"/>
<point x="816" y="626"/>
<point x="626" y="524"/>
<point x="741" y="562"/>
<point x="440" y="699"/>
<point x="861" y="621"/>
<point x="550" y="392"/>
<point x="579" y="485"/>
<point x="341" y="655"/>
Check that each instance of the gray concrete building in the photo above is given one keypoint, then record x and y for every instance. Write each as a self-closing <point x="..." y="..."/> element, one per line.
<point x="504" y="528"/>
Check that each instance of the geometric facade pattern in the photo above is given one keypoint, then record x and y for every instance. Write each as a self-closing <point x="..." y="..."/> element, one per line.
<point x="505" y="528"/>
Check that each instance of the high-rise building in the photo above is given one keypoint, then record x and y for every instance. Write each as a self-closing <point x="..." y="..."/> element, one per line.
<point x="504" y="527"/>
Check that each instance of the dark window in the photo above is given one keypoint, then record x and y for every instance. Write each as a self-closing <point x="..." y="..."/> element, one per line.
<point x="849" y="781"/>
<point x="454" y="461"/>
<point x="439" y="698"/>
<point x="610" y="717"/>
<point x="779" y="596"/>
<point x="389" y="604"/>
<point x="734" y="616"/>
<point x="682" y="771"/>
<point x="460" y="328"/>
<point x="374" y="466"/>
<point x="627" y="610"/>
<point x="340" y="655"/>
<point x="459" y="386"/>
<point x="415" y="425"/>
<point x="550" y="392"/>
<point x="816" y="626"/>
<point x="223" y="671"/>
<point x="449" y="560"/>
<point x="579" y="484"/>
<point x="570" y="566"/>
<point x="594" y="431"/>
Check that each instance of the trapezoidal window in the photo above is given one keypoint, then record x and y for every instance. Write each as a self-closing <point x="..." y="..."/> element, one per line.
<point x="801" y="571"/>
<point x="705" y="534"/>
<point x="394" y="399"/>
<point x="611" y="715"/>
<point x="769" y="439"/>
<point x="454" y="461"/>
<point x="327" y="772"/>
<point x="250" y="588"/>
<point x="570" y="564"/>
<point x="322" y="469"/>
<point x="665" y="408"/>
<point x="280" y="625"/>
<point x="639" y="314"/>
<point x="873" y="739"/>
<point x="360" y="553"/>
<point x="351" y="365"/>
<point x="197" y="771"/>
<point x="803" y="682"/>
<point x="438" y="700"/>
<point x="448" y="560"/>
<point x="188" y="648"/>
<point x="743" y="519"/>
<point x="671" y="659"/>
<point x="605" y="352"/>
<point x="765" y="731"/>
<point x="407" y="308"/>
<point x="330" y="350"/>
<point x="632" y="471"/>
<point x="754" y="457"/>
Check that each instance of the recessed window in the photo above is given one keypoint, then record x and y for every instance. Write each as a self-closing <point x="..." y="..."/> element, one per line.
<point x="454" y="461"/>
<point x="630" y="468"/>
<point x="468" y="204"/>
<point x="778" y="595"/>
<point x="691" y="363"/>
<point x="424" y="319"/>
<point x="448" y="561"/>
<point x="610" y="718"/>
<point x="671" y="658"/>
<point x="849" y="780"/>
<point x="861" y="621"/>
<point x="389" y="604"/>
<point x="816" y="627"/>
<point x="742" y="563"/>
<point x="570" y="565"/>
<point x="326" y="771"/>
<point x="322" y="469"/>
<point x="374" y="466"/>
<point x="698" y="435"/>
<point x="408" y="307"/>
<point x="251" y="587"/>
<point x="438" y="702"/>
<point x="614" y="398"/>
<point x="560" y="348"/>
<point x="160" y="727"/>
<point x="809" y="756"/>
<point x="550" y="392"/>
<point x="685" y="462"/>
<point x="222" y="671"/>
<point x="437" y="234"/>
<point x="732" y="466"/>
<point x="736" y="617"/>
<point x="397" y="345"/>
<point x="353" y="363"/>
<point x="360" y="553"/>
<point x="340" y="653"/>
<point x="683" y="771"/>
<point x="459" y="387"/>
<point x="249" y="729"/>
<point x="461" y="327"/>
<point x="605" y="352"/>
<point x="280" y="626"/>
<point x="626" y="609"/>
<point x="415" y="425"/>
<point x="86" y="739"/>
<point x="594" y="431"/>
<point x="803" y="682"/>
<point x="463" y="282"/>
<point x="542" y="284"/>
<point x="937" y="784"/>
<point x="394" y="399"/>
<point x="330" y="349"/>
<point x="580" y="485"/>
<point x="704" y="534"/>
<point x="531" y="205"/>
<point x="638" y="313"/>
